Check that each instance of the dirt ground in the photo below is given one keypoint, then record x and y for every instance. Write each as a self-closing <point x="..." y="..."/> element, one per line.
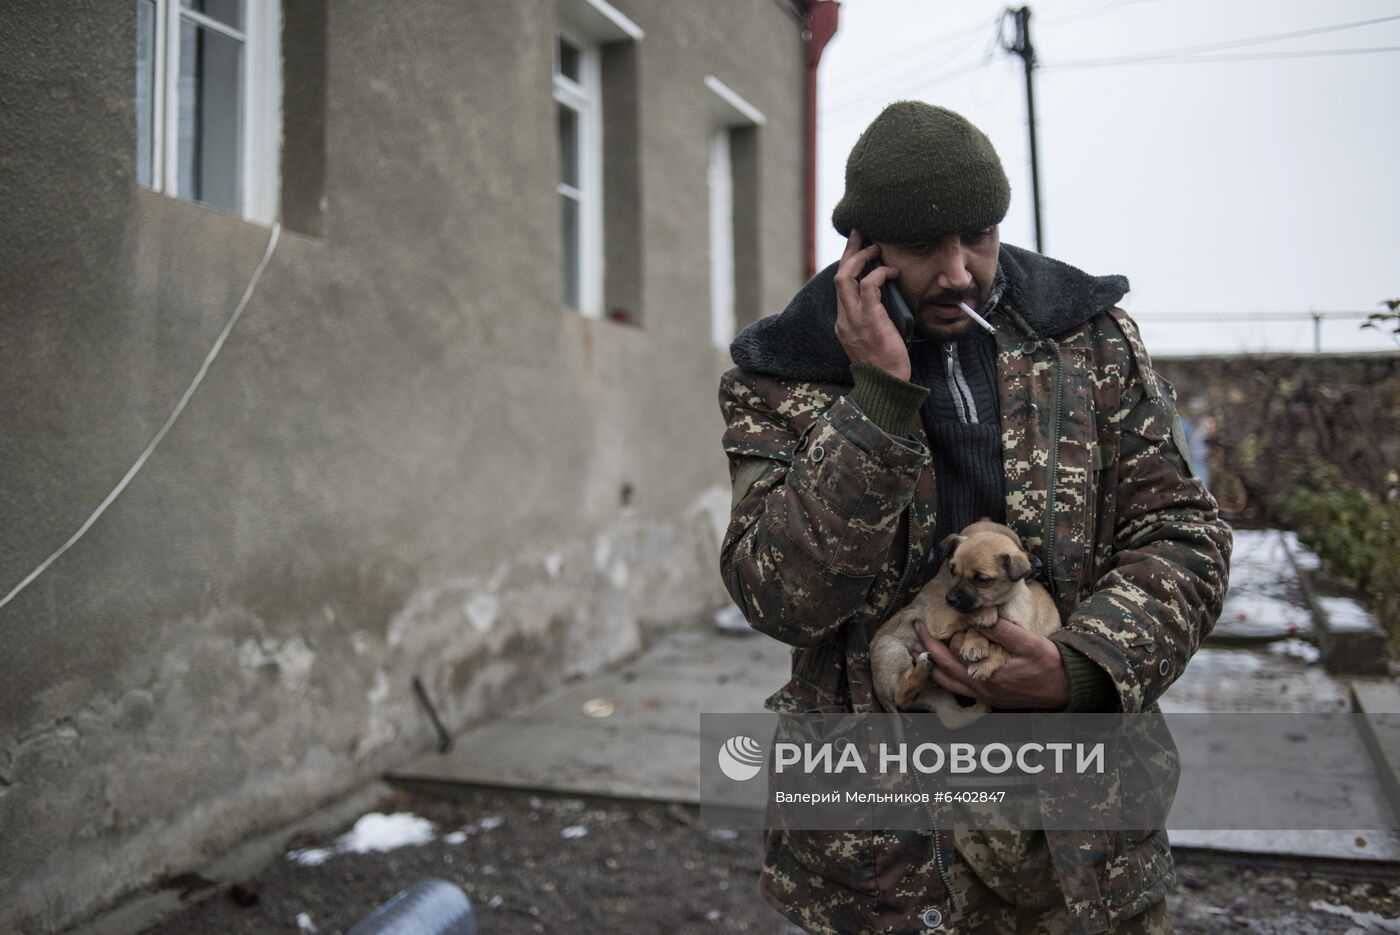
<point x="646" y="868"/>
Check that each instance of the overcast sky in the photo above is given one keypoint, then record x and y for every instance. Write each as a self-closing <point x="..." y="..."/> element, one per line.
<point x="1267" y="184"/>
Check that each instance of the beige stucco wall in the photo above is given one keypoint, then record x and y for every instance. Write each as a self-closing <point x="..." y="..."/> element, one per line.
<point x="408" y="459"/>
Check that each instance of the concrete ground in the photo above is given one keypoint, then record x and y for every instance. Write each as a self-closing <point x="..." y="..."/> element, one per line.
<point x="629" y="737"/>
<point x="633" y="732"/>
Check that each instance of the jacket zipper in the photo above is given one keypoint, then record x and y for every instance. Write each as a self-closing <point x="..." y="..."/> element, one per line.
<point x="939" y="860"/>
<point x="957" y="386"/>
<point x="1053" y="465"/>
<point x="943" y="873"/>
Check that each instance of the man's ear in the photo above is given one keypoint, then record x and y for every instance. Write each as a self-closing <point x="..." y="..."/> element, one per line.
<point x="1018" y="565"/>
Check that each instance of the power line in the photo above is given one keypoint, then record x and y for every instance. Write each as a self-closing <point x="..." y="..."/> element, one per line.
<point x="894" y="90"/>
<point x="1164" y="317"/>
<point x="1087" y="14"/>
<point x="1207" y="59"/>
<point x="838" y="112"/>
<point x="906" y="77"/>
<point x="1227" y="44"/>
<point x="898" y="62"/>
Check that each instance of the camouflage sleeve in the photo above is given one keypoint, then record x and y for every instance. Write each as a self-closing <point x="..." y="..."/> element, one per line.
<point x="1164" y="583"/>
<point x="805" y="542"/>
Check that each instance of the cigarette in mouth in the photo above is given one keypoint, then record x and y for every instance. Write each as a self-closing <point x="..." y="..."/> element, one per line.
<point x="977" y="318"/>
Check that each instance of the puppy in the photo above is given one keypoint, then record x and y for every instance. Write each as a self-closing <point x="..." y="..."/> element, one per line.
<point x="985" y="575"/>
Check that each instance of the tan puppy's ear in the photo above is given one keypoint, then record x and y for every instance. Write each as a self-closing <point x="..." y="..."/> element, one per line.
<point x="1018" y="565"/>
<point x="949" y="545"/>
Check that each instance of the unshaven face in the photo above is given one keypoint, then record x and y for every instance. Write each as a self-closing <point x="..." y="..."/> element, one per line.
<point x="934" y="277"/>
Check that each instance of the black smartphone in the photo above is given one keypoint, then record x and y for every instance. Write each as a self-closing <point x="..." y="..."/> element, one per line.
<point x="894" y="303"/>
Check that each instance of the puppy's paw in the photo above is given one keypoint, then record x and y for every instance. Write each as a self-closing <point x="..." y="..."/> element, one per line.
<point x="984" y="617"/>
<point x="975" y="647"/>
<point x="995" y="658"/>
<point x="982" y="670"/>
<point x="915" y="680"/>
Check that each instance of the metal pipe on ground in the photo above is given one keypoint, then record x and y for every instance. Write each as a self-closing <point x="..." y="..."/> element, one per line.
<point x="428" y="907"/>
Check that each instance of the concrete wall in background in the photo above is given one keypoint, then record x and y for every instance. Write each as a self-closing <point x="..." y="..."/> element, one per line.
<point x="409" y="458"/>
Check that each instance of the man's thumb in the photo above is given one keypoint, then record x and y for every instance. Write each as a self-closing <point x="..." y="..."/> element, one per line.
<point x="1010" y="636"/>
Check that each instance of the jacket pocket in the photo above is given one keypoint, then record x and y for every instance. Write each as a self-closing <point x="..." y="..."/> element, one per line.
<point x="845" y="858"/>
<point x="1138" y="875"/>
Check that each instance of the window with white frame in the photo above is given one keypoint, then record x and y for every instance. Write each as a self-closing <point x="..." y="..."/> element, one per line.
<point x="208" y="102"/>
<point x="591" y="43"/>
<point x="578" y="105"/>
<point x="733" y="215"/>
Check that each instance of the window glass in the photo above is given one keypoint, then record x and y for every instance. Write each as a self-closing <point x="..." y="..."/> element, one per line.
<point x="568" y="59"/>
<point x="208" y="131"/>
<point x="228" y="12"/>
<point x="569" y="212"/>
<point x="568" y="146"/>
<point x="145" y="91"/>
<point x="721" y="179"/>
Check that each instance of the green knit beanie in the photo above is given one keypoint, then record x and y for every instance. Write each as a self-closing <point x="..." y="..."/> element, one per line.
<point x="919" y="172"/>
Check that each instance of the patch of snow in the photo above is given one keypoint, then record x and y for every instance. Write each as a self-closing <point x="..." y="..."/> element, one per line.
<point x="1256" y="614"/>
<point x="311" y="856"/>
<point x="1370" y="846"/>
<point x="305" y="924"/>
<point x="491" y="822"/>
<point x="553" y="564"/>
<point x="1307" y="560"/>
<point x="1343" y="613"/>
<point x="1370" y="921"/>
<point x="1227" y="662"/>
<point x="1298" y="649"/>
<point x="494" y="902"/>
<point x="456" y="837"/>
<point x="1220" y="679"/>
<point x="379" y="832"/>
<point x="573" y="831"/>
<point x="1259" y="561"/>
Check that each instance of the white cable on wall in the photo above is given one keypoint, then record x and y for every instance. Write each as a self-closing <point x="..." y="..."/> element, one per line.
<point x="175" y="414"/>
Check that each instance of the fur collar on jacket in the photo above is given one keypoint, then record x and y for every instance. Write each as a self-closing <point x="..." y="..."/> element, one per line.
<point x="800" y="344"/>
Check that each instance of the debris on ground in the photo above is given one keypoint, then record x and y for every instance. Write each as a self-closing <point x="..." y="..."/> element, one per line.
<point x="648" y="867"/>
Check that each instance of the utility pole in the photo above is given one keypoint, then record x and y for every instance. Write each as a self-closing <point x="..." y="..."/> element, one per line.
<point x="1021" y="46"/>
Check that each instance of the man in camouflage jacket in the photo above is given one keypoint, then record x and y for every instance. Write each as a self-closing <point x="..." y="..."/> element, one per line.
<point x="835" y="518"/>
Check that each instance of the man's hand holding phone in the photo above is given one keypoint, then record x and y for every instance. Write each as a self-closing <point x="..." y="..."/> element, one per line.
<point x="863" y="325"/>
